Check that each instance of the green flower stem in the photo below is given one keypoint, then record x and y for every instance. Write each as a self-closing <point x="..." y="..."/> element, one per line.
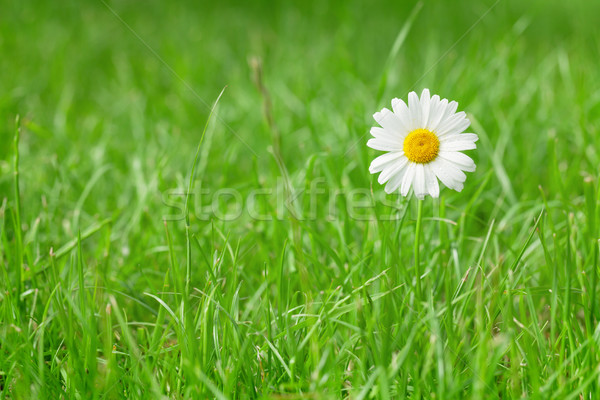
<point x="417" y="246"/>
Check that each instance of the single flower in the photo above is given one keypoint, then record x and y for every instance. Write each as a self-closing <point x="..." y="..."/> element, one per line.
<point x="423" y="142"/>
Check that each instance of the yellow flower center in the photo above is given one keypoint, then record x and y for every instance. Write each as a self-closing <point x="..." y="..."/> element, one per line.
<point x="421" y="146"/>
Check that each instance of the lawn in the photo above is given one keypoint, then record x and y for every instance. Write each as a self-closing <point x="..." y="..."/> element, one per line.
<point x="193" y="215"/>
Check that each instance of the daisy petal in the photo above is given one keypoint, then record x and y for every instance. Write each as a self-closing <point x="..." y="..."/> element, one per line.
<point x="384" y="145"/>
<point x="449" y="113"/>
<point x="394" y="183"/>
<point x="431" y="182"/>
<point x="434" y="106"/>
<point x="390" y="122"/>
<point x="456" y="124"/>
<point x="419" y="186"/>
<point x="450" y="176"/>
<point x="392" y="170"/>
<point x="378" y="132"/>
<point x="436" y="118"/>
<point x="425" y="107"/>
<point x="407" y="179"/>
<point x="396" y="180"/>
<point x="461" y="160"/>
<point x="378" y="164"/>
<point x="457" y="145"/>
<point x="401" y="110"/>
<point x="460" y="137"/>
<point x="451" y="109"/>
<point x="414" y="106"/>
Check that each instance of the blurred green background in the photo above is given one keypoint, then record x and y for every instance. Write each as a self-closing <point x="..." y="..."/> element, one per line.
<point x="129" y="84"/>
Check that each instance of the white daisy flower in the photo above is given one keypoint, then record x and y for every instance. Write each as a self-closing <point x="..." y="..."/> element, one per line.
<point x="423" y="141"/>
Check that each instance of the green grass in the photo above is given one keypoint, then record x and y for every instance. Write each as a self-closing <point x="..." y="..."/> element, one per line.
<point x="288" y="273"/>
